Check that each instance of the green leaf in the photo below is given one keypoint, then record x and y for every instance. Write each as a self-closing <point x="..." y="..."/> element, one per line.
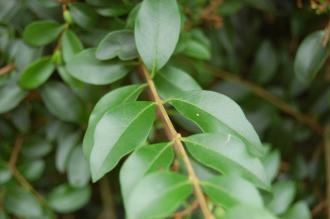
<point x="232" y="190"/>
<point x="145" y="159"/>
<point x="213" y="112"/>
<point x="85" y="67"/>
<point x="115" y="10"/>
<point x="111" y="99"/>
<point x="244" y="211"/>
<point x="66" y="199"/>
<point x="65" y="144"/>
<point x="78" y="169"/>
<point x="21" y="203"/>
<point x="117" y="43"/>
<point x="69" y="109"/>
<point x="283" y="195"/>
<point x="157" y="195"/>
<point x="298" y="210"/>
<point x="5" y="173"/>
<point x="157" y="30"/>
<point x="310" y="57"/>
<point x="68" y="79"/>
<point x="119" y="131"/>
<point x="271" y="162"/>
<point x="32" y="170"/>
<point x="227" y="154"/>
<point x="49" y="29"/>
<point x="70" y="45"/>
<point x="37" y="73"/>
<point x="83" y="15"/>
<point x="171" y="80"/>
<point x="11" y="95"/>
<point x="35" y="147"/>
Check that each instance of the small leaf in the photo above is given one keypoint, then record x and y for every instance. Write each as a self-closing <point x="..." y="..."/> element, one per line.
<point x="298" y="210"/>
<point x="232" y="190"/>
<point x="115" y="10"/>
<point x="310" y="56"/>
<point x="68" y="79"/>
<point x="271" y="162"/>
<point x="83" y="15"/>
<point x="157" y="30"/>
<point x="66" y="199"/>
<point x="85" y="67"/>
<point x="5" y="173"/>
<point x="171" y="80"/>
<point x="119" y="131"/>
<point x="49" y="29"/>
<point x="213" y="112"/>
<point x="11" y="95"/>
<point x="21" y="203"/>
<point x="78" y="169"/>
<point x="283" y="194"/>
<point x="70" y="44"/>
<point x="32" y="170"/>
<point x="227" y="154"/>
<point x="111" y="99"/>
<point x="244" y="211"/>
<point x="62" y="102"/>
<point x="144" y="160"/>
<point x="65" y="144"/>
<point x="157" y="195"/>
<point x="36" y="147"/>
<point x="117" y="43"/>
<point x="37" y="73"/>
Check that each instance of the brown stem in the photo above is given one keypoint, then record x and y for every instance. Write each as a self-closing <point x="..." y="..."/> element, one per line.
<point x="174" y="136"/>
<point x="276" y="101"/>
<point x="15" y="152"/>
<point x="326" y="36"/>
<point x="327" y="160"/>
<point x="106" y="195"/>
<point x="186" y="211"/>
<point x="7" y="69"/>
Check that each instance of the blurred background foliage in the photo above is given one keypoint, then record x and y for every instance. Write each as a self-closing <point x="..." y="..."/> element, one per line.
<point x="245" y="49"/>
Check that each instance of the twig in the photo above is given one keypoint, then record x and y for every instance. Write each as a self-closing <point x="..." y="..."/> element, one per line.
<point x="327" y="160"/>
<point x="15" y="152"/>
<point x="326" y="36"/>
<point x="276" y="101"/>
<point x="186" y="211"/>
<point x="174" y="136"/>
<point x="7" y="69"/>
<point x="106" y="195"/>
<point x="319" y="208"/>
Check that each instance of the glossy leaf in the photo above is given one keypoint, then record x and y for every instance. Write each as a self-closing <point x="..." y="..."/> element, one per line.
<point x="49" y="29"/>
<point x="114" y="10"/>
<point x="68" y="79"/>
<point x="310" y="56"/>
<point x="158" y="24"/>
<point x="21" y="203"/>
<point x="157" y="195"/>
<point x="119" y="131"/>
<point x="232" y="190"/>
<point x="242" y="211"/>
<point x="66" y="199"/>
<point x="298" y="210"/>
<point x="227" y="154"/>
<point x="37" y="73"/>
<point x="108" y="101"/>
<point x="271" y="162"/>
<point x="83" y="15"/>
<point x="69" y="109"/>
<point x="11" y="95"/>
<point x="117" y="43"/>
<point x="171" y="80"/>
<point x="78" y="169"/>
<point x="212" y="112"/>
<point x="32" y="170"/>
<point x="71" y="45"/>
<point x="36" y="147"/>
<point x="283" y="194"/>
<point x="85" y="67"/>
<point x="146" y="159"/>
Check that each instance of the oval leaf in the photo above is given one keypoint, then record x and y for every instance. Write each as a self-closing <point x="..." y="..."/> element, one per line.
<point x="144" y="160"/>
<point x="118" y="132"/>
<point x="117" y="43"/>
<point x="212" y="112"/>
<point x="158" y="24"/>
<point x="78" y="169"/>
<point x="49" y="29"/>
<point x="111" y="99"/>
<point x="310" y="56"/>
<point x="299" y="210"/>
<point x="62" y="102"/>
<point x="11" y="95"/>
<point x="85" y="67"/>
<point x="70" y="44"/>
<point x="241" y="212"/>
<point x="83" y="15"/>
<point x="227" y="154"/>
<point x="157" y="195"/>
<point x="37" y="73"/>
